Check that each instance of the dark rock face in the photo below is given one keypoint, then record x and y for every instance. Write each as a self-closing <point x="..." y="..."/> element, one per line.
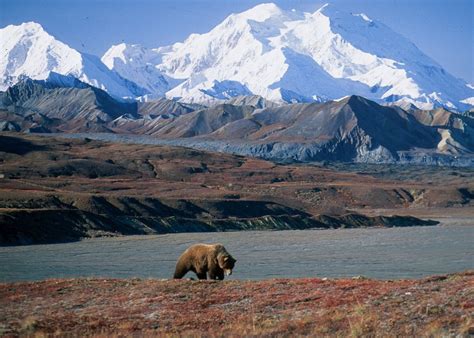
<point x="71" y="106"/>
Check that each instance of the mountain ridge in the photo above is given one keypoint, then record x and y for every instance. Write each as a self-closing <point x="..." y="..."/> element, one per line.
<point x="352" y="129"/>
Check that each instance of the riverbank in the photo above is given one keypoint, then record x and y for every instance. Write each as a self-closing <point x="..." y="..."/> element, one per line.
<point x="55" y="190"/>
<point x="438" y="305"/>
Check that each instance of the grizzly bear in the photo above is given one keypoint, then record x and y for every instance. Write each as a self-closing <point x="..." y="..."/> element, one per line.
<point x="205" y="260"/>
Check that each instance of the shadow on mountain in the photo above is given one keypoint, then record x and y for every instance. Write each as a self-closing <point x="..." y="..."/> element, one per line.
<point x="18" y="146"/>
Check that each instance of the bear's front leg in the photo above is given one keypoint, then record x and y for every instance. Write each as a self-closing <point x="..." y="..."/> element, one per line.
<point x="216" y="274"/>
<point x="220" y="274"/>
<point x="201" y="275"/>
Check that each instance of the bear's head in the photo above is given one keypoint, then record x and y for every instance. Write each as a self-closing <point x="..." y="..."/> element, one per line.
<point x="226" y="262"/>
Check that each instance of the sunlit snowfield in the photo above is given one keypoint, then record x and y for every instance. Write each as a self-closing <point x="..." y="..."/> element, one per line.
<point x="378" y="253"/>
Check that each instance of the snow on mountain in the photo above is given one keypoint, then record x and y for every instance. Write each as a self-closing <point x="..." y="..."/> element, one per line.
<point x="29" y="51"/>
<point x="137" y="64"/>
<point x="282" y="56"/>
<point x="293" y="56"/>
<point x="387" y="62"/>
<point x="240" y="49"/>
<point x="469" y="101"/>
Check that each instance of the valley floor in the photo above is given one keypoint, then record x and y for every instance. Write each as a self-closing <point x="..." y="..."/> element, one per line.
<point x="433" y="306"/>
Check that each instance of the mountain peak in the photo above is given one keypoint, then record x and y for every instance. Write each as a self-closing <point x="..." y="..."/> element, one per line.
<point x="123" y="46"/>
<point x="31" y="26"/>
<point x="14" y="33"/>
<point x="261" y="12"/>
<point x="28" y="50"/>
<point x="357" y="99"/>
<point x="135" y="62"/>
<point x="323" y="7"/>
<point x="122" y="51"/>
<point x="119" y="47"/>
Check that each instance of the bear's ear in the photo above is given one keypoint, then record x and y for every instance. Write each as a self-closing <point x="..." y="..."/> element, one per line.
<point x="226" y="258"/>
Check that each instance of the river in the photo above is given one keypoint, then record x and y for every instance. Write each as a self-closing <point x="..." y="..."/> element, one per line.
<point x="384" y="253"/>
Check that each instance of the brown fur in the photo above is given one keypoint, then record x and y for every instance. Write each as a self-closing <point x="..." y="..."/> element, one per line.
<point x="206" y="261"/>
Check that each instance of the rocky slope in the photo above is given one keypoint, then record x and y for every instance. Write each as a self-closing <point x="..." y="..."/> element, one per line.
<point x="351" y="129"/>
<point x="55" y="107"/>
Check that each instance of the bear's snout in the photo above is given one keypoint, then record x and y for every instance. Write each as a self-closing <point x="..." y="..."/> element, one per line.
<point x="228" y="272"/>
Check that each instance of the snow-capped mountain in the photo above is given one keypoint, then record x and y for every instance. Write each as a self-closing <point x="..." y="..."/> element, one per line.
<point x="138" y="64"/>
<point x="293" y="56"/>
<point x="29" y="51"/>
<point x="283" y="56"/>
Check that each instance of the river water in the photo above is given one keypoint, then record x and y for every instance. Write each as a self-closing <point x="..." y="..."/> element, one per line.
<point x="378" y="253"/>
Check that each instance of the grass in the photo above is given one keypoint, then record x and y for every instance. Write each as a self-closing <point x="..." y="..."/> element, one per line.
<point x="430" y="307"/>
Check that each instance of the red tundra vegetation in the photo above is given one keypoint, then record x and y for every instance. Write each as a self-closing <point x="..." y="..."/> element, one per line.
<point x="434" y="306"/>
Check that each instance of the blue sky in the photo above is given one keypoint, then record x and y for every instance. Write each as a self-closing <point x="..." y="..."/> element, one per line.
<point x="443" y="29"/>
